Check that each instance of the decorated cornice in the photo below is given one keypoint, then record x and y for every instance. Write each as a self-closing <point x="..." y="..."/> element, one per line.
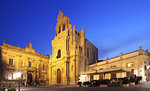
<point x="22" y="50"/>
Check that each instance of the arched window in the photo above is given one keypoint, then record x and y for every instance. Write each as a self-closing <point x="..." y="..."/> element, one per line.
<point x="63" y="27"/>
<point x="58" y="54"/>
<point x="59" y="29"/>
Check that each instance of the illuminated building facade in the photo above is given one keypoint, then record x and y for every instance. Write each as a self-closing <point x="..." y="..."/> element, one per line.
<point x="32" y="65"/>
<point x="71" y="54"/>
<point x="74" y="58"/>
<point x="125" y="65"/>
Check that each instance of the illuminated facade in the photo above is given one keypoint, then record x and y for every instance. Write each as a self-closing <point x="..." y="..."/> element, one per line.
<point x="74" y="58"/>
<point x="71" y="54"/>
<point x="33" y="66"/>
<point x="125" y="65"/>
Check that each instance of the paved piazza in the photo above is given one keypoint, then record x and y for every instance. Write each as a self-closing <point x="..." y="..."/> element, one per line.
<point x="86" y="89"/>
<point x="140" y="87"/>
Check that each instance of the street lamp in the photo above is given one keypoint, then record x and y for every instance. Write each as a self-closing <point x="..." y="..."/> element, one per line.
<point x="148" y="67"/>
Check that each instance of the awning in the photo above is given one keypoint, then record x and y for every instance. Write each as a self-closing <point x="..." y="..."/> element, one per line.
<point x="106" y="71"/>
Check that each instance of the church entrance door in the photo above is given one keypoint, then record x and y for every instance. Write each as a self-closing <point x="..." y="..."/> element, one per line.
<point x="58" y="76"/>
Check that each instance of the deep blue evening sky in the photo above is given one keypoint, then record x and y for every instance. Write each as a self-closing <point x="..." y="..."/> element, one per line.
<point x="113" y="26"/>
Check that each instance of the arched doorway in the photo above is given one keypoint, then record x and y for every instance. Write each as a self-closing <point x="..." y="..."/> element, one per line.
<point x="29" y="79"/>
<point x="58" y="76"/>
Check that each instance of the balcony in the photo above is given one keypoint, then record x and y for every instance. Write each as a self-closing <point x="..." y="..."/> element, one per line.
<point x="31" y="68"/>
<point x="10" y="66"/>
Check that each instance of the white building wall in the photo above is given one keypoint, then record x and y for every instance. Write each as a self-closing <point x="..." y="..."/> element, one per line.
<point x="137" y="58"/>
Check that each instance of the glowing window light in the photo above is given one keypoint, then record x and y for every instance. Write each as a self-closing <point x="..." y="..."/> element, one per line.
<point x="130" y="65"/>
<point x="96" y="77"/>
<point x="10" y="76"/>
<point x="83" y="78"/>
<point x="17" y="75"/>
<point x="148" y="67"/>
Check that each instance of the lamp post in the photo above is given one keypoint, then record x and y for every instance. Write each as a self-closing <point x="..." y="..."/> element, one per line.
<point x="18" y="76"/>
<point x="148" y="67"/>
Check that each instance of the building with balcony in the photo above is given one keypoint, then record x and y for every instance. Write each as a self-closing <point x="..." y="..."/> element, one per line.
<point x="32" y="65"/>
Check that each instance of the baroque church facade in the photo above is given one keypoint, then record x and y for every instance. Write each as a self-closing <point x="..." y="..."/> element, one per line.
<point x="74" y="58"/>
<point x="71" y="53"/>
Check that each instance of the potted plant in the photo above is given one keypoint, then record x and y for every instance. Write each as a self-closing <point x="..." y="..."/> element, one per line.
<point x="79" y="84"/>
<point x="139" y="78"/>
<point x="12" y="89"/>
<point x="104" y="83"/>
<point x="86" y="84"/>
<point x="125" y="82"/>
<point x="95" y="83"/>
<point x="132" y="81"/>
